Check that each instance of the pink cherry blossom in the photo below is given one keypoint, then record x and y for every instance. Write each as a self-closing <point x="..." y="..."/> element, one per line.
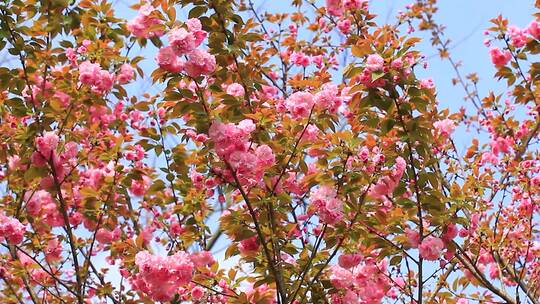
<point x="11" y="229"/>
<point x="197" y="292"/>
<point x="92" y="74"/>
<point x="374" y="63"/>
<point x="126" y="73"/>
<point x="181" y="41"/>
<point x="498" y="57"/>
<point x="230" y="137"/>
<point x="105" y="236"/>
<point x="53" y="251"/>
<point x="533" y="29"/>
<point x="139" y="187"/>
<point x="235" y="89"/>
<point x="328" y="206"/>
<point x="427" y="83"/>
<point x="328" y="98"/>
<point x="195" y="27"/>
<point x="167" y="60"/>
<point x="160" y="277"/>
<point x="265" y="156"/>
<point x="200" y="62"/>
<point x="518" y="36"/>
<point x="344" y="26"/>
<point x="88" y="72"/>
<point x="300" y="104"/>
<point x="334" y="7"/>
<point x="349" y="260"/>
<point x="450" y="233"/>
<point x="364" y="283"/>
<point x="431" y="248"/>
<point x="299" y="58"/>
<point x="141" y="25"/>
<point x="340" y="277"/>
<point x="444" y="127"/>
<point x="413" y="237"/>
<point x="248" y="246"/>
<point x="203" y="258"/>
<point x="386" y="185"/>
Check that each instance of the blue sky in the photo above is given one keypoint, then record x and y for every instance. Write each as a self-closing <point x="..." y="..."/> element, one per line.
<point x="465" y="22"/>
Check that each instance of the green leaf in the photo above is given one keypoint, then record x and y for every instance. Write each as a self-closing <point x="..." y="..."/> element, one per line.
<point x="376" y="75"/>
<point x="197" y="11"/>
<point x="33" y="173"/>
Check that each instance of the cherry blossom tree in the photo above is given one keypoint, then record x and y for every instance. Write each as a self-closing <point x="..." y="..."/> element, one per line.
<point x="301" y="141"/>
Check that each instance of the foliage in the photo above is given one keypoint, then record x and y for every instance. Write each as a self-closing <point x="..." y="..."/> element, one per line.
<point x="302" y="141"/>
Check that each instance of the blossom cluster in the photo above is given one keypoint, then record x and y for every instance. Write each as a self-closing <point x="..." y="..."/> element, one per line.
<point x="518" y="38"/>
<point x="327" y="205"/>
<point x="161" y="277"/>
<point x="386" y="184"/>
<point x="184" y="42"/>
<point x="337" y="7"/>
<point x="361" y="279"/>
<point x="300" y="104"/>
<point x="11" y="229"/>
<point x="376" y="68"/>
<point x="246" y="160"/>
<point x="101" y="80"/>
<point x="146" y="24"/>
